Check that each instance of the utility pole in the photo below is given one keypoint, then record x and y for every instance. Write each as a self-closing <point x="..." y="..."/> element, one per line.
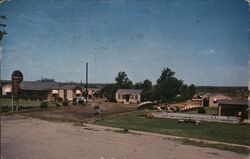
<point x="86" y="94"/>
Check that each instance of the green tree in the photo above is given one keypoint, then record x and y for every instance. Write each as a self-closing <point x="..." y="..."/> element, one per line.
<point x="122" y="81"/>
<point x="109" y="92"/>
<point x="147" y="89"/>
<point x="191" y="91"/>
<point x="166" y="73"/>
<point x="168" y="87"/>
<point x="2" y="31"/>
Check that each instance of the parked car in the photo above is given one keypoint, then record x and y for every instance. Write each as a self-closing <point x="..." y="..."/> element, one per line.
<point x="82" y="99"/>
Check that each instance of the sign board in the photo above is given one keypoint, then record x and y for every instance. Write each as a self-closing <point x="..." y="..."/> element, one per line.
<point x="17" y="78"/>
<point x="96" y="110"/>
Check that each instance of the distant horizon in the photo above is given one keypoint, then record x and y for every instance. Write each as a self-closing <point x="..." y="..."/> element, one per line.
<point x="205" y="42"/>
<point x="114" y="83"/>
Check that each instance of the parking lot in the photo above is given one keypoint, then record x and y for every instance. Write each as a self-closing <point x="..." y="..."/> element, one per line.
<point x="30" y="138"/>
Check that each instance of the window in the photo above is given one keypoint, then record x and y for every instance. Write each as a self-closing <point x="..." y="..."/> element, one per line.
<point x="132" y="96"/>
<point x="65" y="94"/>
<point x="136" y="97"/>
<point x="119" y="96"/>
<point x="123" y="96"/>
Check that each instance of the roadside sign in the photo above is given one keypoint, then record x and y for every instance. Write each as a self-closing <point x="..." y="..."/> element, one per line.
<point x="96" y="111"/>
<point x="17" y="78"/>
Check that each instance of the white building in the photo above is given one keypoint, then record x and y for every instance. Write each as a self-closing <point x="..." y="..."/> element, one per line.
<point x="128" y="96"/>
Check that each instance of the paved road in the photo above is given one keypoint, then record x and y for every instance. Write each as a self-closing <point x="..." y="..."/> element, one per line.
<point x="29" y="138"/>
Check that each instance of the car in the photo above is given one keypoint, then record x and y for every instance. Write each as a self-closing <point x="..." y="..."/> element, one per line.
<point x="79" y="98"/>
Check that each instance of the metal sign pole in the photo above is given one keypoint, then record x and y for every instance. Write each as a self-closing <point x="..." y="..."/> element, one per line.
<point x="17" y="106"/>
<point x="12" y="102"/>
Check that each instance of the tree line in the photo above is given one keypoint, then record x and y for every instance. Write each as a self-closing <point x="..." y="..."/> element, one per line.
<point x="167" y="88"/>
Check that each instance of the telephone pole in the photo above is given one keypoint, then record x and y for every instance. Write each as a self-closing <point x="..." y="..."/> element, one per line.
<point x="86" y="94"/>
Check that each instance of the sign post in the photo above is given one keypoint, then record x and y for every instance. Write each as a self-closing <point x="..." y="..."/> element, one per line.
<point x="96" y="111"/>
<point x="17" y="78"/>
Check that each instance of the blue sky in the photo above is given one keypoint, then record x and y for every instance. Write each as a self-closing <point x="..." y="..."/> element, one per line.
<point x="205" y="42"/>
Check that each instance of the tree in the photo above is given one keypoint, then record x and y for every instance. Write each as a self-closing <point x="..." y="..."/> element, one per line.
<point x="109" y="92"/>
<point x="138" y="85"/>
<point x="2" y="32"/>
<point x="46" y="80"/>
<point x="191" y="91"/>
<point x="122" y="81"/>
<point x="166" y="73"/>
<point x="168" y="88"/>
<point x="147" y="90"/>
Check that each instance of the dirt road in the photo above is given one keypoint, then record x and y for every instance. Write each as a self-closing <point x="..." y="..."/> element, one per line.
<point x="78" y="113"/>
<point x="30" y="138"/>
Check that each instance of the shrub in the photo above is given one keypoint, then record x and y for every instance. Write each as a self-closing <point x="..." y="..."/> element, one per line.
<point x="44" y="104"/>
<point x="81" y="102"/>
<point x="5" y="108"/>
<point x="58" y="104"/>
<point x="202" y="110"/>
<point x="59" y="99"/>
<point x="65" y="102"/>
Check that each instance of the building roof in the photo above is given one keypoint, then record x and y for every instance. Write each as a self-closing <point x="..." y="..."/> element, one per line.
<point x="38" y="85"/>
<point x="6" y="82"/>
<point x="69" y="86"/>
<point x="128" y="91"/>
<point x="213" y="94"/>
<point x="232" y="102"/>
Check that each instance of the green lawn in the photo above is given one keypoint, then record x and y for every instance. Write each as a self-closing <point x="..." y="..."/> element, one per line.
<point x="225" y="132"/>
<point x="24" y="103"/>
<point x="209" y="111"/>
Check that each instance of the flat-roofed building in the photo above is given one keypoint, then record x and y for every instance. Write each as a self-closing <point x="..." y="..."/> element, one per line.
<point x="233" y="107"/>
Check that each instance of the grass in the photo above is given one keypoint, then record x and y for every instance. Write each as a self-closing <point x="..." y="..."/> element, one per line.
<point x="24" y="104"/>
<point x="209" y="111"/>
<point x="237" y="149"/>
<point x="224" y="132"/>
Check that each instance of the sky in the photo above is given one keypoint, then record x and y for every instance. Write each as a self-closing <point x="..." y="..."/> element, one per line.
<point x="204" y="42"/>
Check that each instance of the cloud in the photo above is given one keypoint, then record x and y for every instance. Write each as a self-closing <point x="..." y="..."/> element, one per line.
<point x="210" y="52"/>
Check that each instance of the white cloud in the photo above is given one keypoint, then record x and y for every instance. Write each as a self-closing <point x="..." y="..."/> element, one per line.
<point x="210" y="52"/>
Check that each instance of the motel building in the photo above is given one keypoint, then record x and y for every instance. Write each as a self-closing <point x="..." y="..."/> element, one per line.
<point x="127" y="96"/>
<point x="233" y="107"/>
<point x="48" y="91"/>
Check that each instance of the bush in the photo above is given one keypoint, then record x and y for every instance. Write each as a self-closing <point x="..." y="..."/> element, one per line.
<point x="44" y="104"/>
<point x="65" y="102"/>
<point x="59" y="99"/>
<point x="5" y="108"/>
<point x="202" y="110"/>
<point x="58" y="104"/>
<point x="81" y="102"/>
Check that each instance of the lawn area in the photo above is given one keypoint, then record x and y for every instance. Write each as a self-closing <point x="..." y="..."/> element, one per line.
<point x="209" y="111"/>
<point x="224" y="132"/>
<point x="24" y="103"/>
